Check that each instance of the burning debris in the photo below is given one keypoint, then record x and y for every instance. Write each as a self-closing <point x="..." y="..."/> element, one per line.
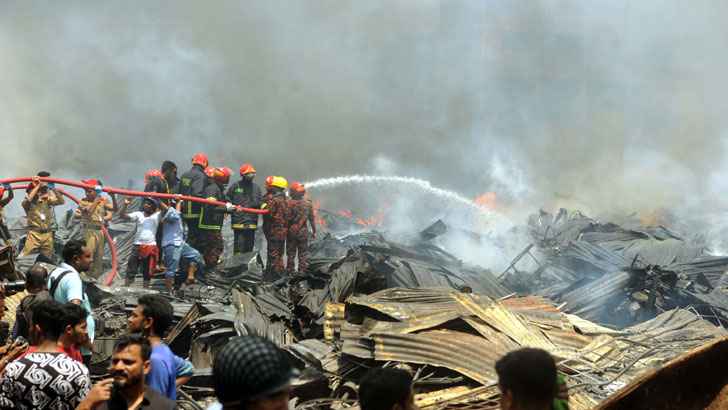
<point x="609" y="302"/>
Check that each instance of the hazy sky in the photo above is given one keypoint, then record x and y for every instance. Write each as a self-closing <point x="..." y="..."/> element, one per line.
<point x="601" y="105"/>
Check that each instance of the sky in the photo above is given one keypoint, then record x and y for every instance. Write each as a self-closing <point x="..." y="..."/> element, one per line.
<point x="603" y="106"/>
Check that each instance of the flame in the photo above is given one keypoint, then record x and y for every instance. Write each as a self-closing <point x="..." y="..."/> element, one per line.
<point x="377" y="219"/>
<point x="345" y="213"/>
<point x="655" y="218"/>
<point x="316" y="206"/>
<point x="487" y="201"/>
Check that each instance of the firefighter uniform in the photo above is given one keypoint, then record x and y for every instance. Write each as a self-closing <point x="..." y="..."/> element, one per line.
<point x="297" y="233"/>
<point x="193" y="183"/>
<point x="40" y="236"/>
<point x="248" y="195"/>
<point x="275" y="227"/>
<point x="211" y="220"/>
<point x="93" y="233"/>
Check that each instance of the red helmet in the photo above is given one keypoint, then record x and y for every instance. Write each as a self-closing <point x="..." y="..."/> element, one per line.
<point x="269" y="181"/>
<point x="200" y="159"/>
<point x="297" y="189"/>
<point x="221" y="174"/>
<point x="151" y="173"/>
<point x="247" y="169"/>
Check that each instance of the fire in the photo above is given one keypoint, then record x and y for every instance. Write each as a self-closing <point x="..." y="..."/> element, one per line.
<point x="374" y="220"/>
<point x="487" y="201"/>
<point x="655" y="218"/>
<point x="316" y="205"/>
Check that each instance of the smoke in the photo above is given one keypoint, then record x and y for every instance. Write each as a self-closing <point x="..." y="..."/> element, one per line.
<point x="601" y="105"/>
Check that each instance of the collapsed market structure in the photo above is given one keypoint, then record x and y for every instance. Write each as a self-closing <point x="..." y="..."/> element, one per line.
<point x="610" y="302"/>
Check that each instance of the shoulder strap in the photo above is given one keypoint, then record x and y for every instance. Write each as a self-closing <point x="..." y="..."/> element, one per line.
<point x="56" y="282"/>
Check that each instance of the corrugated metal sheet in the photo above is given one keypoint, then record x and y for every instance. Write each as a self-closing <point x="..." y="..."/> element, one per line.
<point x="589" y="300"/>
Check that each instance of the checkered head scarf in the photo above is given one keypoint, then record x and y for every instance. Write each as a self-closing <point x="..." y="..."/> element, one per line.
<point x="249" y="368"/>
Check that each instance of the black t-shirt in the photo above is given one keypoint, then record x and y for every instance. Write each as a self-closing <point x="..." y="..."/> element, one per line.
<point x="44" y="381"/>
<point x="152" y="400"/>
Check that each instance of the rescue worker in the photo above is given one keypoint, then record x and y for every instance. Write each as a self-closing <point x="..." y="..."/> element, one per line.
<point x="297" y="234"/>
<point x="276" y="225"/>
<point x="4" y="231"/>
<point x="248" y="195"/>
<point x="38" y="208"/>
<point x="94" y="211"/>
<point x="212" y="216"/>
<point x="159" y="183"/>
<point x="193" y="183"/>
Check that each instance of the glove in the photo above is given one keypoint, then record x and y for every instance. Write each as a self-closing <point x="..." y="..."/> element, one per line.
<point x="98" y="190"/>
<point x="51" y="186"/>
<point x="229" y="207"/>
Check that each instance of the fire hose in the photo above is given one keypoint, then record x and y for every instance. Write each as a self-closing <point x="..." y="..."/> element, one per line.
<point x="114" y="260"/>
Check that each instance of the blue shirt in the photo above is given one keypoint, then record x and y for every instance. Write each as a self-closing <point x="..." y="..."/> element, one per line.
<point x="161" y="376"/>
<point x="172" y="231"/>
<point x="70" y="288"/>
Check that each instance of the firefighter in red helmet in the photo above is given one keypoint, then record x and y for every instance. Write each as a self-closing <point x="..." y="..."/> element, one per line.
<point x="212" y="216"/>
<point x="193" y="183"/>
<point x="297" y="234"/>
<point x="248" y="195"/>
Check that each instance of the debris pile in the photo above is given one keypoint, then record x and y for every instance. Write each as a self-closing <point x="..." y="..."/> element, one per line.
<point x="610" y="302"/>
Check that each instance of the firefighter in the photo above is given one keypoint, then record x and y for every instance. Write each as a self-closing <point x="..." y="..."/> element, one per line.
<point x="212" y="216"/>
<point x="193" y="183"/>
<point x="297" y="233"/>
<point x="38" y="207"/>
<point x="276" y="224"/>
<point x="160" y="181"/>
<point x="4" y="231"/>
<point x="248" y="195"/>
<point x="94" y="211"/>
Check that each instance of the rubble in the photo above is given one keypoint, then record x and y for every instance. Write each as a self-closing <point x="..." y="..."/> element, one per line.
<point x="610" y="302"/>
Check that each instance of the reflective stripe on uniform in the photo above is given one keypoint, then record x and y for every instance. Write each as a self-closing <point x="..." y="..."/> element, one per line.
<point x="243" y="226"/>
<point x="201" y="226"/>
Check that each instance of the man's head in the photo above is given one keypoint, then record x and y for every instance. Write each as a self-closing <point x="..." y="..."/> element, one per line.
<point x="150" y="205"/>
<point x="169" y="170"/>
<point x="252" y="373"/>
<point x="91" y="193"/>
<point x="44" y="189"/>
<point x="75" y="329"/>
<point x="527" y="379"/>
<point x="152" y="316"/>
<point x="47" y="321"/>
<point x="130" y="360"/>
<point x="386" y="389"/>
<point x="76" y="254"/>
<point x="36" y="278"/>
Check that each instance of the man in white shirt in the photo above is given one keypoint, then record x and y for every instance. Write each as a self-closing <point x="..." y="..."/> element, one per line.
<point x="145" y="253"/>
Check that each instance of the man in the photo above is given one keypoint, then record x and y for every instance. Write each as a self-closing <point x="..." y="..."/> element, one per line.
<point x="527" y="380"/>
<point x="297" y="234"/>
<point x="174" y="247"/>
<point x="67" y="286"/>
<point x="152" y="317"/>
<point x="386" y="389"/>
<point x="193" y="183"/>
<point x="126" y="389"/>
<point x="45" y="378"/>
<point x="160" y="184"/>
<point x="74" y="332"/>
<point x="94" y="211"/>
<point x="144" y="252"/>
<point x="246" y="194"/>
<point x="35" y="284"/>
<point x="212" y="216"/>
<point x="276" y="225"/>
<point x="38" y="208"/>
<point x="4" y="231"/>
<point x="252" y="373"/>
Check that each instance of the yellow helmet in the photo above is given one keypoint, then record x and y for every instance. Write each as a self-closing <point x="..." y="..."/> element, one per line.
<point x="280" y="182"/>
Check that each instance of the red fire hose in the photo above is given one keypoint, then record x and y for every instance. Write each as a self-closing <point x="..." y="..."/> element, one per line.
<point x="114" y="260"/>
<point x="131" y="193"/>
